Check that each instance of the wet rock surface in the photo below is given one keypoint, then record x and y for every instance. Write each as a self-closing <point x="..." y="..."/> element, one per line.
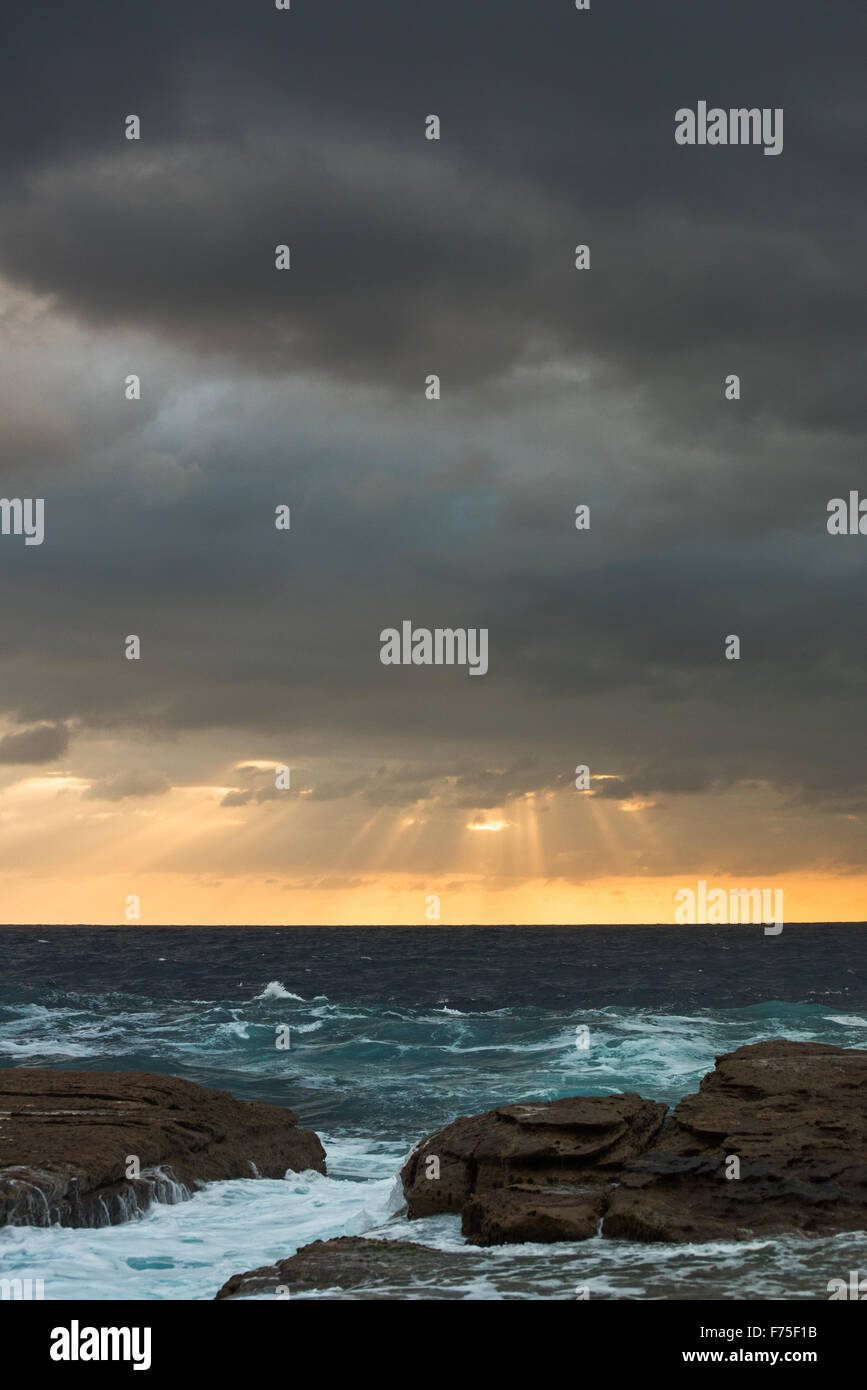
<point x="794" y="1117"/>
<point x="350" y="1262"/>
<point x="515" y="1214"/>
<point x="582" y="1141"/>
<point x="774" y="1140"/>
<point x="66" y="1139"/>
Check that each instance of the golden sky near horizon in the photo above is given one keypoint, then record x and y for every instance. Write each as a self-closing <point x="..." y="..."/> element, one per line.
<point x="78" y="840"/>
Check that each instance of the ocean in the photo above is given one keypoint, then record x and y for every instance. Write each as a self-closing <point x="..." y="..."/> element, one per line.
<point x="393" y="1033"/>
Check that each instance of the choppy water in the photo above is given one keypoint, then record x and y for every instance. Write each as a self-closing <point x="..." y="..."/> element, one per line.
<point x="394" y="1032"/>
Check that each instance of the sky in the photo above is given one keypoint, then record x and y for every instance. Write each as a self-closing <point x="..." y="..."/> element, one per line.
<point x="417" y="790"/>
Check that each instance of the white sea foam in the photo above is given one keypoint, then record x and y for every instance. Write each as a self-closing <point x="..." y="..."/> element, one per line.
<point x="189" y="1250"/>
<point x="401" y="1071"/>
<point x="274" y="990"/>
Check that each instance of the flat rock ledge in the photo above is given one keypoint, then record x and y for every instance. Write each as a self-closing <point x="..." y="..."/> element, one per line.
<point x="774" y="1140"/>
<point x="538" y="1170"/>
<point x="381" y="1268"/>
<point x="67" y="1137"/>
<point x="793" y="1115"/>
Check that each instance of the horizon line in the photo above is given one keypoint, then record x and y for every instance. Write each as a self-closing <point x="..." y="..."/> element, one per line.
<point x="402" y="926"/>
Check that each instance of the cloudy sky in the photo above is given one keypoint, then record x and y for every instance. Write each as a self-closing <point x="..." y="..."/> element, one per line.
<point x="306" y="388"/>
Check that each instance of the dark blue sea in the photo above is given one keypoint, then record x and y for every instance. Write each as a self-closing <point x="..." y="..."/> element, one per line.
<point x="393" y="1033"/>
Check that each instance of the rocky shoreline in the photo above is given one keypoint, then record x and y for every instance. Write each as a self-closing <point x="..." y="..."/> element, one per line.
<point x="96" y="1148"/>
<point x="773" y="1142"/>
<point x="348" y="1262"/>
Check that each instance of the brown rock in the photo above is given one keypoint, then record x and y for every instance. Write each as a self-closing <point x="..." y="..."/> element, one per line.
<point x="794" y="1114"/>
<point x="382" y="1267"/>
<point x="581" y="1141"/>
<point x="65" y="1138"/>
<point x="528" y="1213"/>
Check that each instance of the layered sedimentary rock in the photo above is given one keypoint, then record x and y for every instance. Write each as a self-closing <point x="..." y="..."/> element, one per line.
<point x="383" y="1268"/>
<point x="495" y="1167"/>
<point x="514" y="1214"/>
<point x="71" y="1143"/>
<point x="774" y="1140"/>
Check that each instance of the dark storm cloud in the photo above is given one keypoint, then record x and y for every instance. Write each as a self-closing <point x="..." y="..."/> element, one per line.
<point x="43" y="744"/>
<point x="451" y="783"/>
<point x="241" y="625"/>
<point x="411" y="257"/>
<point x="677" y="777"/>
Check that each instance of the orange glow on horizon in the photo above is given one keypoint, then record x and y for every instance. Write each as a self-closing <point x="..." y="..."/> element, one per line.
<point x="174" y="899"/>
